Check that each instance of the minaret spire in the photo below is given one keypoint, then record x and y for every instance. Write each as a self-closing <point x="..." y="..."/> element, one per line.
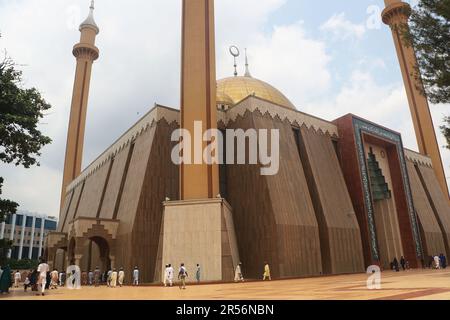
<point x="85" y="53"/>
<point x="90" y="21"/>
<point x="198" y="94"/>
<point x="247" y="70"/>
<point x="396" y="14"/>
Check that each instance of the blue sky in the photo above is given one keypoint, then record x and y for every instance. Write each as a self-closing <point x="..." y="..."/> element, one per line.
<point x="329" y="57"/>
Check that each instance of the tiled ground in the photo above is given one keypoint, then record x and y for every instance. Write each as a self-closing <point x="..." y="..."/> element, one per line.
<point x="420" y="284"/>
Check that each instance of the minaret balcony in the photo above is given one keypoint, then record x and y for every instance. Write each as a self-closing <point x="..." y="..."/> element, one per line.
<point x="86" y="51"/>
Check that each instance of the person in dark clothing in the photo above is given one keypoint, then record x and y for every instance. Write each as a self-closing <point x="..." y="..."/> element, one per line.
<point x="396" y="266"/>
<point x="49" y="279"/>
<point x="403" y="263"/>
<point x="27" y="283"/>
<point x="443" y="260"/>
<point x="5" y="280"/>
<point x="33" y="280"/>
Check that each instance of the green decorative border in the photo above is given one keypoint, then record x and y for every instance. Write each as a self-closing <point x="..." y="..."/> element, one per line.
<point x="360" y="127"/>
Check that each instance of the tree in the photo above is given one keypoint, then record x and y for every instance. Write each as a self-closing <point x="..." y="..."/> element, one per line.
<point x="20" y="140"/>
<point x="429" y="33"/>
<point x="446" y="130"/>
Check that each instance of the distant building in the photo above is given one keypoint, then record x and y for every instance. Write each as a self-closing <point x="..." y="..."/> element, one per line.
<point x="27" y="231"/>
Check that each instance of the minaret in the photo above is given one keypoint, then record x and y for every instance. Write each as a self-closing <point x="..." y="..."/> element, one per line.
<point x="247" y="69"/>
<point x="198" y="94"/>
<point x="86" y="53"/>
<point x="395" y="14"/>
<point x="202" y="222"/>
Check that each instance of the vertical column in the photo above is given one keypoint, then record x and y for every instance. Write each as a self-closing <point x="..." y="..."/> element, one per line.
<point x="395" y="15"/>
<point x="33" y="229"/>
<point x="198" y="97"/>
<point x="86" y="53"/>
<point x="13" y="231"/>
<point x="22" y="237"/>
<point x="2" y="230"/>
<point x="41" y="239"/>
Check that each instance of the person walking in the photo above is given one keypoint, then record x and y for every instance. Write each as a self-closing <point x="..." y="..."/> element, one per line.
<point x="403" y="263"/>
<point x="43" y="269"/>
<point x="91" y="278"/>
<point x="136" y="276"/>
<point x="182" y="275"/>
<point x="108" y="278"/>
<point x="5" y="280"/>
<point x="34" y="280"/>
<point x="395" y="265"/>
<point x="238" y="277"/>
<point x="121" y="277"/>
<point x="166" y="275"/>
<point x="198" y="274"/>
<point x="113" y="282"/>
<point x="267" y="275"/>
<point x="437" y="263"/>
<point x="27" y="282"/>
<point x="97" y="276"/>
<point x="17" y="279"/>
<point x="84" y="278"/>
<point x="171" y="273"/>
<point x="54" y="275"/>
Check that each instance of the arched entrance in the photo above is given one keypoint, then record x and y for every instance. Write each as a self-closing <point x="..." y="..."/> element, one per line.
<point x="92" y="243"/>
<point x="96" y="253"/>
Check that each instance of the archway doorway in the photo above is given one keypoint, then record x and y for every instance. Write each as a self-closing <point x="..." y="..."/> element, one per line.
<point x="385" y="211"/>
<point x="60" y="259"/>
<point x="96" y="253"/>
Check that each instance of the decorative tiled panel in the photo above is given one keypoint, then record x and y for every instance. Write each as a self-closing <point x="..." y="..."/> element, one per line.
<point x="361" y="127"/>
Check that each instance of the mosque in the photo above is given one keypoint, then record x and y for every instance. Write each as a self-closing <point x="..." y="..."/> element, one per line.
<point x="347" y="194"/>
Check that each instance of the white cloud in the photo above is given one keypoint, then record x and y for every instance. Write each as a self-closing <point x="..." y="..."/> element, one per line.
<point x="139" y="65"/>
<point x="343" y="29"/>
<point x="386" y="105"/>
<point x="292" y="62"/>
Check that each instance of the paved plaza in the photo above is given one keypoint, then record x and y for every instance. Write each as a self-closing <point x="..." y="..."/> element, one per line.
<point x="417" y="285"/>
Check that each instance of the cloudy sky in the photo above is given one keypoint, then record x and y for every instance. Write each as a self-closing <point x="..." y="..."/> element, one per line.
<point x="329" y="57"/>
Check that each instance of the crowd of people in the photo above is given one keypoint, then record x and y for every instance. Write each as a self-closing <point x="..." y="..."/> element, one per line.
<point x="42" y="278"/>
<point x="432" y="262"/>
<point x="436" y="262"/>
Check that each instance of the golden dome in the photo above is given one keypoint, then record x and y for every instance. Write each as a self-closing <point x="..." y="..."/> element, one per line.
<point x="235" y="89"/>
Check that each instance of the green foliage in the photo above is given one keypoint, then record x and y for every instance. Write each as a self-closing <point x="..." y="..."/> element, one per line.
<point x="20" y="112"/>
<point x="429" y="33"/>
<point x="20" y="140"/>
<point x="5" y="245"/>
<point x="446" y="130"/>
<point x="6" y="206"/>
<point x="24" y="264"/>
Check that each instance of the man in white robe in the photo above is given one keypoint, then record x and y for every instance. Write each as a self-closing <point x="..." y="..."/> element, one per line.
<point x="43" y="268"/>
<point x="121" y="277"/>
<point x="114" y="279"/>
<point x="136" y="276"/>
<point x="170" y="272"/>
<point x="238" y="274"/>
